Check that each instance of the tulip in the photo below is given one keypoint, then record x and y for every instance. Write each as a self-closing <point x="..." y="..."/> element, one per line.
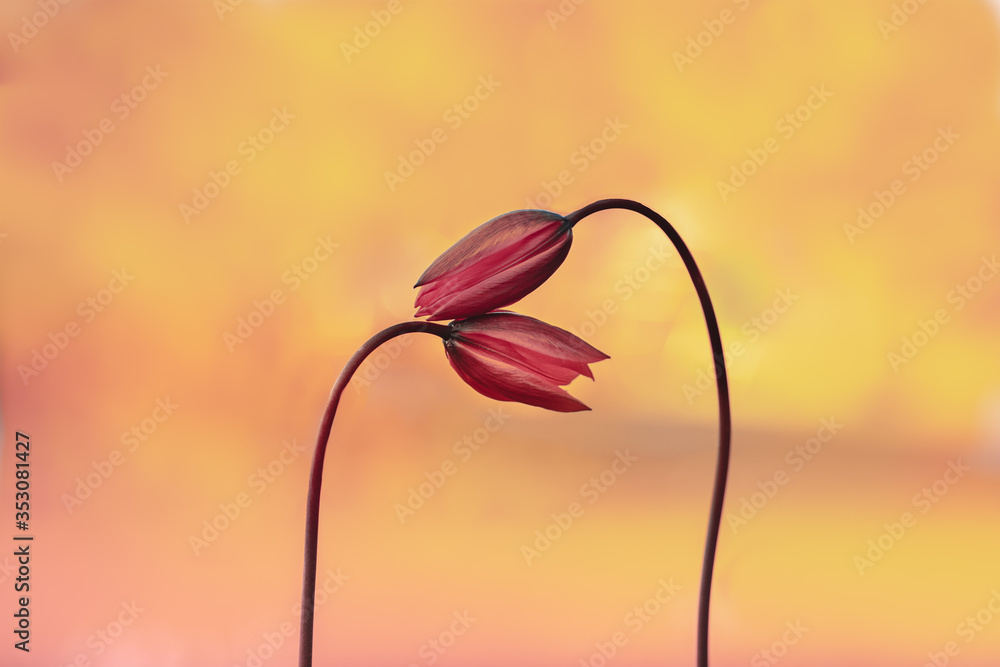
<point x="496" y="264"/>
<point x="503" y="355"/>
<point x="511" y="357"/>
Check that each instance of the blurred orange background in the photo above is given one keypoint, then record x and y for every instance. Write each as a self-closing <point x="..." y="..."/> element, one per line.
<point x="208" y="206"/>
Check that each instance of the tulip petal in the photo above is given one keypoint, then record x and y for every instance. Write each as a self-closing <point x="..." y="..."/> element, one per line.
<point x="529" y="339"/>
<point x="495" y="265"/>
<point x="553" y="370"/>
<point x="501" y="381"/>
<point x="514" y="232"/>
<point x="471" y="293"/>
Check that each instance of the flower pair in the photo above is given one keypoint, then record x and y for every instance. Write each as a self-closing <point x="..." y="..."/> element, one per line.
<point x="500" y="354"/>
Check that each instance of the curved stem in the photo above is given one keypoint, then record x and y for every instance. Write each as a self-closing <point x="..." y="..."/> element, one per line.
<point x="725" y="420"/>
<point x="316" y="475"/>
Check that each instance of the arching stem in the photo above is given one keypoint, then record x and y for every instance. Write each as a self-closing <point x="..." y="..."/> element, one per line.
<point x="725" y="419"/>
<point x="316" y="475"/>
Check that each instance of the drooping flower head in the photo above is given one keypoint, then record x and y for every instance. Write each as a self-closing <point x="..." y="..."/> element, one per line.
<point x="511" y="357"/>
<point x="494" y="265"/>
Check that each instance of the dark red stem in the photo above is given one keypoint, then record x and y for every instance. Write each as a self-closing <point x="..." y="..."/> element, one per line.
<point x="316" y="476"/>
<point x="725" y="419"/>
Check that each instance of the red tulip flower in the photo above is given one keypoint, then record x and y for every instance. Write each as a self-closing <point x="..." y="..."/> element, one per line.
<point x="502" y="355"/>
<point x="511" y="357"/>
<point x="496" y="264"/>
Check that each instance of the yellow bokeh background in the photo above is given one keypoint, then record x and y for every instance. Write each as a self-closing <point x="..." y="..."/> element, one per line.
<point x="166" y="168"/>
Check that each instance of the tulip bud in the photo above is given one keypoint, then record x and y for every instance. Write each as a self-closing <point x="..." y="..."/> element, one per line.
<point x="496" y="264"/>
<point x="511" y="357"/>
